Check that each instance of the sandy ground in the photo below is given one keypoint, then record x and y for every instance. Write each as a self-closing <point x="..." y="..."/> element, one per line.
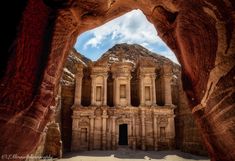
<point x="130" y="155"/>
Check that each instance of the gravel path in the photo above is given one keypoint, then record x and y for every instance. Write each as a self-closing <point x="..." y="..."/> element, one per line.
<point x="130" y="155"/>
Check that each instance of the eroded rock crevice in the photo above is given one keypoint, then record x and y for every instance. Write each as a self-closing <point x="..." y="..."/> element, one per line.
<point x="201" y="33"/>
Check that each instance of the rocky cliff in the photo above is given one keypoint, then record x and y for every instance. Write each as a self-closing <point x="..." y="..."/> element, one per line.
<point x="69" y="69"/>
<point x="67" y="94"/>
<point x="118" y="53"/>
<point x="187" y="137"/>
<point x="131" y="53"/>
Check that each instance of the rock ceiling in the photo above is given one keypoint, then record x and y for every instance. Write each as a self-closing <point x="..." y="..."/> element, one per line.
<point x="200" y="32"/>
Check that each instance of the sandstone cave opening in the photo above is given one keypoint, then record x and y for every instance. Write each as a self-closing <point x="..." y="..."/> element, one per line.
<point x="212" y="32"/>
<point x="100" y="90"/>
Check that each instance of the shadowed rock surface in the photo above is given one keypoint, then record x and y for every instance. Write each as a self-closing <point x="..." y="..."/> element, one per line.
<point x="201" y="34"/>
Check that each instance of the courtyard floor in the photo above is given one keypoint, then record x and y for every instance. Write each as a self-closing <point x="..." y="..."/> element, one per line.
<point x="130" y="155"/>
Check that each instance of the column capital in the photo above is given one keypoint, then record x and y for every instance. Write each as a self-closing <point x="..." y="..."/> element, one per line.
<point x="93" y="76"/>
<point x="79" y="75"/>
<point x="142" y="109"/>
<point x="104" y="116"/>
<point x="142" y="113"/>
<point x="153" y="76"/>
<point x="133" y="115"/>
<point x="91" y="117"/>
<point x="114" y="76"/>
<point x="155" y="115"/>
<point x="78" y="68"/>
<point x="167" y="75"/>
<point x="141" y="76"/>
<point x="113" y="117"/>
<point x="75" y="116"/>
<point x="170" y="115"/>
<point x="105" y="76"/>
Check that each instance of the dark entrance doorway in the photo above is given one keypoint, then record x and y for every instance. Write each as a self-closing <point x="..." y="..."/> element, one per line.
<point x="123" y="135"/>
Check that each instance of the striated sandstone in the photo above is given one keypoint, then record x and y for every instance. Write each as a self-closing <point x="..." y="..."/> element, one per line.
<point x="201" y="33"/>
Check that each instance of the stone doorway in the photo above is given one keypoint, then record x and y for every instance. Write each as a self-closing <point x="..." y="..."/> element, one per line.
<point x="123" y="134"/>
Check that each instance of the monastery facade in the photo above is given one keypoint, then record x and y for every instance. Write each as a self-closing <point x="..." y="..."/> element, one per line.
<point x="101" y="126"/>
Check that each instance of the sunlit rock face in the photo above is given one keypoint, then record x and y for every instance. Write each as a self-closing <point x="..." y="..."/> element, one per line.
<point x="67" y="94"/>
<point x="122" y="107"/>
<point x="201" y="33"/>
<point x="187" y="137"/>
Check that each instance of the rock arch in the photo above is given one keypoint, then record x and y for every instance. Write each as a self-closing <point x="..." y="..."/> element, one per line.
<point x="201" y="33"/>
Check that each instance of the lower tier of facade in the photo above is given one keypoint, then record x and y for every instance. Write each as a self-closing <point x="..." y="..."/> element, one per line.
<point x="106" y="128"/>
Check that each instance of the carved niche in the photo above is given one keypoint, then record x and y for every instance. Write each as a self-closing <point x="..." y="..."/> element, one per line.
<point x="162" y="121"/>
<point x="84" y="122"/>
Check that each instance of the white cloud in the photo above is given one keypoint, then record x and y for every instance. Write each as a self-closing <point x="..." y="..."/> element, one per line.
<point x="131" y="28"/>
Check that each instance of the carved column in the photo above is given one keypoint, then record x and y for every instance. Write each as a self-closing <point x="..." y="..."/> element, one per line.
<point x="105" y="90"/>
<point x="104" y="136"/>
<point x="143" y="147"/>
<point x="109" y="133"/>
<point x="155" y="131"/>
<point x="91" y="143"/>
<point x="147" y="81"/>
<point x="122" y="74"/>
<point x="99" y="79"/>
<point x="133" y="133"/>
<point x="171" y="125"/>
<point x="141" y="94"/>
<point x="167" y="83"/>
<point x="116" y="92"/>
<point x="92" y="90"/>
<point x="78" y="85"/>
<point x="154" y="90"/>
<point x="113" y="132"/>
<point x="167" y="89"/>
<point x="129" y="91"/>
<point x="75" y="134"/>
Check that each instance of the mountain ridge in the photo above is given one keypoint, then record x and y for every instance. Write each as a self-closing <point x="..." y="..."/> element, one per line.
<point x="132" y="53"/>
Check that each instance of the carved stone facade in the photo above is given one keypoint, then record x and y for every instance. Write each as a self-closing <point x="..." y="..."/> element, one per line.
<point x="99" y="126"/>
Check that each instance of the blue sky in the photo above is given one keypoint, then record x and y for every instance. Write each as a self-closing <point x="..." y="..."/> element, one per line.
<point x="131" y="28"/>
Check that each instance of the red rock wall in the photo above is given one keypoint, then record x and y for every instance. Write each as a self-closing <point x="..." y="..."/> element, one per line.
<point x="67" y="100"/>
<point x="53" y="144"/>
<point x="198" y="34"/>
<point x="21" y="81"/>
<point x="29" y="86"/>
<point x="201" y="33"/>
<point x="188" y="138"/>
